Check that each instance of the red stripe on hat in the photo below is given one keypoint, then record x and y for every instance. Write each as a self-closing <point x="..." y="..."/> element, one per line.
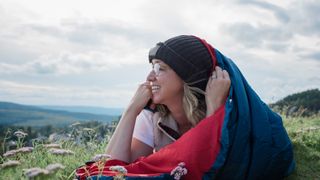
<point x="211" y="51"/>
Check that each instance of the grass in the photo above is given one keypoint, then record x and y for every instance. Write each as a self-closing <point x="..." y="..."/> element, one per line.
<point x="305" y="136"/>
<point x="303" y="132"/>
<point x="40" y="157"/>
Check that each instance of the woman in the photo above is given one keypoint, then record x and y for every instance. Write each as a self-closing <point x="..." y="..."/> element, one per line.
<point x="197" y="124"/>
<point x="181" y="94"/>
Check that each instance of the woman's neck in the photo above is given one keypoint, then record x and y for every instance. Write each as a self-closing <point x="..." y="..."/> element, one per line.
<point x="178" y="114"/>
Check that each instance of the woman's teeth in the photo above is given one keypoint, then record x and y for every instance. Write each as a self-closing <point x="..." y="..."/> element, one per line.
<point x="155" y="88"/>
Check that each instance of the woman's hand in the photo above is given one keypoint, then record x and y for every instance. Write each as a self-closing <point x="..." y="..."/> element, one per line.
<point x="217" y="90"/>
<point x="141" y="98"/>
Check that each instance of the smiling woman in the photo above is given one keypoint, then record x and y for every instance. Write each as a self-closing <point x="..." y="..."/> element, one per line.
<point x="196" y="116"/>
<point x="175" y="88"/>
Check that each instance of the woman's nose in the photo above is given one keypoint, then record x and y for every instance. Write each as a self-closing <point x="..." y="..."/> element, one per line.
<point x="151" y="76"/>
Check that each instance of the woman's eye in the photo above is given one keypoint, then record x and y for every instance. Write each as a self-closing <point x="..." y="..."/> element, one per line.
<point x="156" y="68"/>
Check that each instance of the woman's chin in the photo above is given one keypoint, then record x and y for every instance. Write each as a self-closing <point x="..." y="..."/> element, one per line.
<point x="156" y="100"/>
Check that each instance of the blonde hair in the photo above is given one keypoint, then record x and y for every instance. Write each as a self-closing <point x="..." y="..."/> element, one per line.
<point x="193" y="103"/>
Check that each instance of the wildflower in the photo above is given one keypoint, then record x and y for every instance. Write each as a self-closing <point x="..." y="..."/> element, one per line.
<point x="60" y="151"/>
<point x="54" y="167"/>
<point x="10" y="153"/>
<point x="16" y="151"/>
<point x="89" y="130"/>
<point x="179" y="171"/>
<point x="58" y="137"/>
<point x="33" y="172"/>
<point x="101" y="157"/>
<point x="25" y="149"/>
<point x="9" y="164"/>
<point x="119" y="169"/>
<point x="20" y="134"/>
<point x="58" y="146"/>
<point x="88" y="133"/>
<point x="75" y="124"/>
<point x="50" y="169"/>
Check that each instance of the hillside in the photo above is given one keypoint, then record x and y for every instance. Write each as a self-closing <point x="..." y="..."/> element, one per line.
<point x="24" y="115"/>
<point x="304" y="103"/>
<point x="86" y="109"/>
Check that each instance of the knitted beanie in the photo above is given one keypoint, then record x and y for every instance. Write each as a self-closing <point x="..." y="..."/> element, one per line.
<point x="188" y="56"/>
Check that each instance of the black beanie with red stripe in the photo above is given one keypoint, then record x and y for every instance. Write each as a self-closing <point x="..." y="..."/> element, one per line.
<point x="189" y="56"/>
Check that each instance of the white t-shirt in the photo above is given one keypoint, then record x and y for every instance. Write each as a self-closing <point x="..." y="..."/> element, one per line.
<point x="154" y="130"/>
<point x="143" y="129"/>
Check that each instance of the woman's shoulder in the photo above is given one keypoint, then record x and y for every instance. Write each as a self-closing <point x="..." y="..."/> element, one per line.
<point x="149" y="114"/>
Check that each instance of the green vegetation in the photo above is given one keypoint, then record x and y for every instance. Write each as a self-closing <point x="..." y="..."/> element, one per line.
<point x="306" y="103"/>
<point x="305" y="136"/>
<point x="40" y="157"/>
<point x="82" y="145"/>
<point x="304" y="133"/>
<point x="43" y="133"/>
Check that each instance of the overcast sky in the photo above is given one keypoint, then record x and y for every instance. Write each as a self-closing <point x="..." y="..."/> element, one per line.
<point x="94" y="53"/>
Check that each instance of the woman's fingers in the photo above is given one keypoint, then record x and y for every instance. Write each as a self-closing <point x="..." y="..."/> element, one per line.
<point x="226" y="75"/>
<point x="146" y="88"/>
<point x="142" y="96"/>
<point x="217" y="89"/>
<point x="146" y="84"/>
<point x="219" y="73"/>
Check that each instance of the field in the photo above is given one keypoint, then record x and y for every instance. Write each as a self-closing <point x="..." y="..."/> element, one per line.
<point x="304" y="133"/>
<point x="305" y="136"/>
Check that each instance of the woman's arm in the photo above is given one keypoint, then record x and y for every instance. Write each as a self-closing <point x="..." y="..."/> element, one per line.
<point x="119" y="146"/>
<point x="139" y="148"/>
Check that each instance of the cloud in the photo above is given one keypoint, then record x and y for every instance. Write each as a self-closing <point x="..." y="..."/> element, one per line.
<point x="104" y="29"/>
<point x="256" y="36"/>
<point x="95" y="32"/>
<point x="72" y="47"/>
<point x="304" y="17"/>
<point x="312" y="55"/>
<point x="294" y="20"/>
<point x="89" y="52"/>
<point x="297" y="16"/>
<point x="75" y="63"/>
<point x="279" y="12"/>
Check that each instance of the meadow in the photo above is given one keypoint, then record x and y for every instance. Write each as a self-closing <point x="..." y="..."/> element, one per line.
<point x="304" y="133"/>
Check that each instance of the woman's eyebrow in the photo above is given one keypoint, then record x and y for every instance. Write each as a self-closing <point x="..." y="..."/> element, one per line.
<point x="160" y="63"/>
<point x="156" y="61"/>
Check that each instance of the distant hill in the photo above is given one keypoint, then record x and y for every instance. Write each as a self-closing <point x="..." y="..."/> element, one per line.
<point x="303" y="103"/>
<point x="86" y="109"/>
<point x="25" y="115"/>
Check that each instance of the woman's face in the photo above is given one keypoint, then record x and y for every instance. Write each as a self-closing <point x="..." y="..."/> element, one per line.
<point x="167" y="86"/>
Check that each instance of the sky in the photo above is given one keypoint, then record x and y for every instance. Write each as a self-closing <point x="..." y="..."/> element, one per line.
<point x="95" y="53"/>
